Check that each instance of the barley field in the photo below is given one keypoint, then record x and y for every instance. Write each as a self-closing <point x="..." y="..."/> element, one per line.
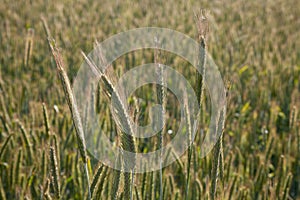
<point x="43" y="152"/>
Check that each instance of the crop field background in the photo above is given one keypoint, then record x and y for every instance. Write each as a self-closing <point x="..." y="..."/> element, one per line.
<point x="255" y="45"/>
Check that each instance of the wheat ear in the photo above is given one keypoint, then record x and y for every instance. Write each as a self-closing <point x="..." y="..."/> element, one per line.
<point x="127" y="140"/>
<point x="72" y="106"/>
<point x="54" y="172"/>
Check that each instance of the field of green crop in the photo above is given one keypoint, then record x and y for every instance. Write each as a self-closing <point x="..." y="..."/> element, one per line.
<point x="256" y="46"/>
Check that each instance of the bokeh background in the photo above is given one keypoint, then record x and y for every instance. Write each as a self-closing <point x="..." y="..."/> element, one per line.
<point x="255" y="44"/>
